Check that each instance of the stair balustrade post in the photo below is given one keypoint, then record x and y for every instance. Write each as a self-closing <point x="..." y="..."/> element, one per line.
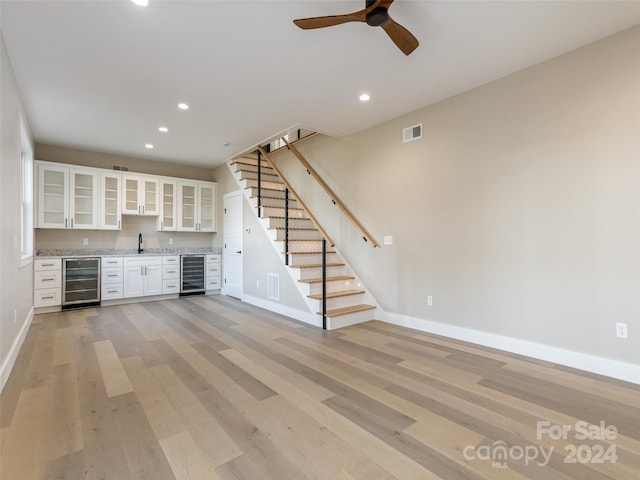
<point x="259" y="184"/>
<point x="324" y="283"/>
<point x="286" y="226"/>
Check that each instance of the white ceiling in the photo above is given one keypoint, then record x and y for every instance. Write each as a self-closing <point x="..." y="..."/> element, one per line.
<point x="103" y="75"/>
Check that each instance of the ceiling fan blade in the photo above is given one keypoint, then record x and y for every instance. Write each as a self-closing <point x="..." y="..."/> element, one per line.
<point x="329" y="21"/>
<point x="402" y="37"/>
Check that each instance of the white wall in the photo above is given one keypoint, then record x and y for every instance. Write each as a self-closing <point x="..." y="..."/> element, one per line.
<point x="16" y="281"/>
<point x="519" y="210"/>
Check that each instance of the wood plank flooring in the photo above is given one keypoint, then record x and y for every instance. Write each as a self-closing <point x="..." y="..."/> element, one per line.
<point x="211" y="388"/>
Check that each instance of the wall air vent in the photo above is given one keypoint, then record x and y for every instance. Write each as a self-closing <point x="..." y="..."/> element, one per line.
<point x="121" y="168"/>
<point x="412" y="133"/>
<point x="273" y="286"/>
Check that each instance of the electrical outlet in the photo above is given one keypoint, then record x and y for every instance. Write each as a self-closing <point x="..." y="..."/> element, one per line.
<point x="15" y="316"/>
<point x="85" y="241"/>
<point x="170" y="241"/>
<point x="257" y="283"/>
<point x="429" y="300"/>
<point x="621" y="330"/>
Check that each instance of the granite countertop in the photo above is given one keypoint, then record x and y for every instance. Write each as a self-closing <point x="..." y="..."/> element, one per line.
<point x="122" y="252"/>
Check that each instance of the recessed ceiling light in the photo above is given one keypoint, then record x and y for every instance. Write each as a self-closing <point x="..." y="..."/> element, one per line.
<point x="183" y="106"/>
<point x="364" y="97"/>
<point x="148" y="145"/>
<point x="142" y="3"/>
<point x="163" y="129"/>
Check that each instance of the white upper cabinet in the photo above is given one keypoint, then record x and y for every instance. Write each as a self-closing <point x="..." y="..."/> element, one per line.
<point x="67" y="196"/>
<point x="196" y="206"/>
<point x="140" y="195"/>
<point x="168" y="205"/>
<point x="110" y="201"/>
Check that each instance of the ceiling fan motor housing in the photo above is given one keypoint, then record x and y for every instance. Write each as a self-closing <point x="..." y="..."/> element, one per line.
<point x="377" y="17"/>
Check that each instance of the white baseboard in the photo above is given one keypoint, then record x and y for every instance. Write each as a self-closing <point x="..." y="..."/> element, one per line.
<point x="290" y="312"/>
<point x="628" y="372"/>
<point x="10" y="360"/>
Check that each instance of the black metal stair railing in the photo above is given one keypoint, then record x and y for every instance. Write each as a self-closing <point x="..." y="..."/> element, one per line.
<point x="325" y="237"/>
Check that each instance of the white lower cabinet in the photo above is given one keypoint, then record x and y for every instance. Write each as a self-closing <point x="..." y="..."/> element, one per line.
<point x="170" y="274"/>
<point x="111" y="278"/>
<point x="47" y="282"/>
<point x="142" y="276"/>
<point x="213" y="272"/>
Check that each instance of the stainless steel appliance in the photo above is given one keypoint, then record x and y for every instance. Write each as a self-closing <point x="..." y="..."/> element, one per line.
<point x="80" y="282"/>
<point x="192" y="273"/>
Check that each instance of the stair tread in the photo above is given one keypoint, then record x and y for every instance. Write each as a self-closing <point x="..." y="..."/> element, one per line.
<point x="291" y="240"/>
<point x="271" y="206"/>
<point x="273" y="198"/>
<point x="318" y="265"/>
<point x="329" y="279"/>
<point x="346" y="310"/>
<point x="341" y="293"/>
<point x="265" y="188"/>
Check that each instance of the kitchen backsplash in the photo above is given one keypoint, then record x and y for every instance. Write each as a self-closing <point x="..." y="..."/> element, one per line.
<point x="47" y="239"/>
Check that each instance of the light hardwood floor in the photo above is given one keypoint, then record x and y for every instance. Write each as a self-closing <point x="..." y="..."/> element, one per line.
<point x="211" y="388"/>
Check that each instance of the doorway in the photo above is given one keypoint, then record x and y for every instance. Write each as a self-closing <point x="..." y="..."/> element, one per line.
<point x="232" y="244"/>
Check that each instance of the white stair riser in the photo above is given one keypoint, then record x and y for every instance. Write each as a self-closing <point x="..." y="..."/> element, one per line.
<point x="253" y="191"/>
<point x="274" y="202"/>
<point x="278" y="211"/>
<point x="305" y="273"/>
<point x="298" y="234"/>
<point x="350" y="319"/>
<point x="316" y="288"/>
<point x="314" y="246"/>
<point x="293" y="223"/>
<point x="250" y="161"/>
<point x="312" y="259"/>
<point x="341" y="302"/>
<point x="264" y="176"/>
<point x="271" y="184"/>
<point x="254" y="169"/>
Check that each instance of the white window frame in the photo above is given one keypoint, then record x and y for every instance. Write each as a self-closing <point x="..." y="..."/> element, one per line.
<point x="26" y="240"/>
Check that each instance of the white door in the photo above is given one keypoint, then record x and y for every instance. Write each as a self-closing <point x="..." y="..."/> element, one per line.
<point x="232" y="248"/>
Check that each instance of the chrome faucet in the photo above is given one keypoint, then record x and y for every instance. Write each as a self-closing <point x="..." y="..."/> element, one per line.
<point x="140" y="250"/>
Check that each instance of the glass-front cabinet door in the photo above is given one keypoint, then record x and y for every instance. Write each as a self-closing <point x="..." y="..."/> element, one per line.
<point x="150" y="196"/>
<point x="130" y="203"/>
<point x="168" y="204"/>
<point x="83" y="199"/>
<point x="110" y="202"/>
<point x="187" y="207"/>
<point x="206" y="208"/>
<point x="53" y="196"/>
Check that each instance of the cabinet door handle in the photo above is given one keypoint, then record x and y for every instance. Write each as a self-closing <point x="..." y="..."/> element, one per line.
<point x="72" y="222"/>
<point x="143" y="209"/>
<point x="65" y="223"/>
<point x="141" y="271"/>
<point x="112" y="291"/>
<point x="46" y="298"/>
<point x="47" y="264"/>
<point x="161" y="225"/>
<point x="48" y="279"/>
<point x="145" y="270"/>
<point x="118" y="224"/>
<point x="112" y="275"/>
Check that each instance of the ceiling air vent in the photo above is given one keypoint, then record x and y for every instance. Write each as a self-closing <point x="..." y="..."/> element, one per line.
<point x="410" y="134"/>
<point x="118" y="167"/>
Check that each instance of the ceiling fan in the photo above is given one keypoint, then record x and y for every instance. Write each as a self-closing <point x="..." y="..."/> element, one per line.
<point x="375" y="14"/>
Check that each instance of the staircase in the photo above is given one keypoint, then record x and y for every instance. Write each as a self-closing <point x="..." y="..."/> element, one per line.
<point x="347" y="303"/>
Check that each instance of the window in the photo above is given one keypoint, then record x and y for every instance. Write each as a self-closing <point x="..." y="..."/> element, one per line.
<point x="26" y="197"/>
